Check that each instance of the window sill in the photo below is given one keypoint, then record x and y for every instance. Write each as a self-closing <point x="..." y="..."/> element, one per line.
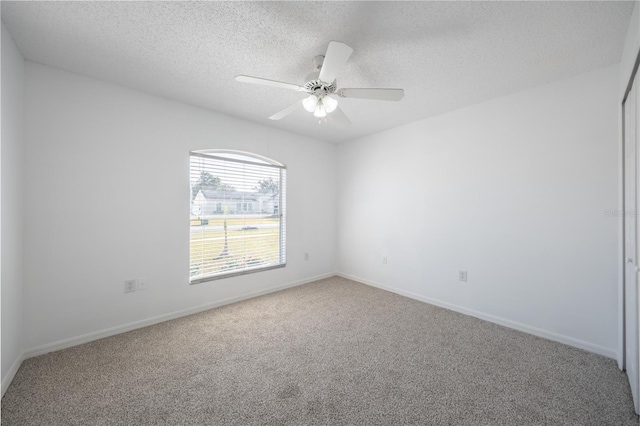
<point x="235" y="274"/>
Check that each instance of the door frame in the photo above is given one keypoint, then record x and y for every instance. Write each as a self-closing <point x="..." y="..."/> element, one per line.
<point x="622" y="261"/>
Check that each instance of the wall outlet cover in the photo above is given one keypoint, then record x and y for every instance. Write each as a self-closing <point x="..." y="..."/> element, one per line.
<point x="142" y="284"/>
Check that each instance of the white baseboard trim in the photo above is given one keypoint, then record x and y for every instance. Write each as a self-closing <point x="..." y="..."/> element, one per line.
<point x="550" y="335"/>
<point x="8" y="378"/>
<point x="101" y="334"/>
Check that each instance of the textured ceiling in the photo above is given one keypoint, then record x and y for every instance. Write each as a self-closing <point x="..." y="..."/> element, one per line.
<point x="444" y="54"/>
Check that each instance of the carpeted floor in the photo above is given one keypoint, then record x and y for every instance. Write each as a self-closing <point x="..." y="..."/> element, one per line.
<point x="331" y="352"/>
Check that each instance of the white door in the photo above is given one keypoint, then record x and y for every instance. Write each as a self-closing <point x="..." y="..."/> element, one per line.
<point x="632" y="363"/>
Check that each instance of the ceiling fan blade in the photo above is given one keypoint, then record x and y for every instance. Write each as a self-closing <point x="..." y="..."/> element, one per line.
<point x="378" y="94"/>
<point x="288" y="110"/>
<point x="266" y="82"/>
<point x="337" y="55"/>
<point x="339" y="118"/>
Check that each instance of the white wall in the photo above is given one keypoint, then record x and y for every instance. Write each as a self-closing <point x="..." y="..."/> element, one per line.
<point x="629" y="50"/>
<point x="107" y="178"/>
<point x="514" y="191"/>
<point x="11" y="207"/>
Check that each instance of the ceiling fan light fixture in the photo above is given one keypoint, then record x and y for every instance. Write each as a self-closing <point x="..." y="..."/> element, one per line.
<point x="320" y="110"/>
<point x="310" y="103"/>
<point x="330" y="104"/>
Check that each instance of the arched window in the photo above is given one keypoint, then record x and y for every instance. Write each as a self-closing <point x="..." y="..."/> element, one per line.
<point x="238" y="214"/>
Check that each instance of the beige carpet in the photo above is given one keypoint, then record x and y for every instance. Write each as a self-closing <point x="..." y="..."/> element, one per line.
<point x="332" y="352"/>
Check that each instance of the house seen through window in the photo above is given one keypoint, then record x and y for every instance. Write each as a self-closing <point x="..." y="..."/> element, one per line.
<point x="237" y="206"/>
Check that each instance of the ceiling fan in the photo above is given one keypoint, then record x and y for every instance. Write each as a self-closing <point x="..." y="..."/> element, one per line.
<point x="322" y="87"/>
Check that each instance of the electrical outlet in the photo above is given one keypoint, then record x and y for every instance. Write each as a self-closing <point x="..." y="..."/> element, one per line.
<point x="462" y="276"/>
<point x="129" y="286"/>
<point x="384" y="260"/>
<point x="306" y="256"/>
<point x="142" y="284"/>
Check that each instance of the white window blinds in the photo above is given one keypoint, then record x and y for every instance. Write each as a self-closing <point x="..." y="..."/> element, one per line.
<point x="237" y="222"/>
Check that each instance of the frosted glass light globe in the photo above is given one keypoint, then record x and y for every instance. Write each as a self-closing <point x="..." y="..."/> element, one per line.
<point x="330" y="104"/>
<point x="320" y="111"/>
<point x="310" y="103"/>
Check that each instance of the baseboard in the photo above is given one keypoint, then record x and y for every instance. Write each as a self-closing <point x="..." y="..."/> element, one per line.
<point x="101" y="334"/>
<point x="6" y="380"/>
<point x="576" y="343"/>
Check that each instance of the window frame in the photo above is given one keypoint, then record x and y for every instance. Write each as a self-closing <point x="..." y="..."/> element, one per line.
<point x="260" y="161"/>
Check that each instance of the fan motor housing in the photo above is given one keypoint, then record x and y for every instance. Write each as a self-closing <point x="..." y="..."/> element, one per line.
<point x="319" y="88"/>
<point x="315" y="86"/>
